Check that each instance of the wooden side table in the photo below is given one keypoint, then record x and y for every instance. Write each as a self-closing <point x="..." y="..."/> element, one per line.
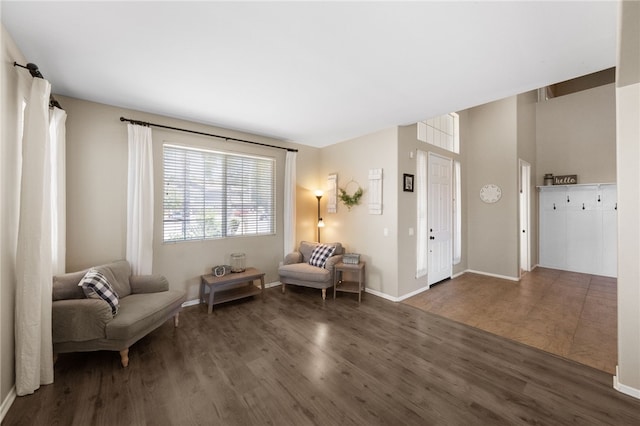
<point x="225" y="288"/>
<point x="348" y="286"/>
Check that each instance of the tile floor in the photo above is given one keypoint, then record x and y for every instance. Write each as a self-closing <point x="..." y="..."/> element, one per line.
<point x="566" y="313"/>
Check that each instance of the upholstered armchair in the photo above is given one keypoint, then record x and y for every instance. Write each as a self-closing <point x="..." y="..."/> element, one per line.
<point x="311" y="266"/>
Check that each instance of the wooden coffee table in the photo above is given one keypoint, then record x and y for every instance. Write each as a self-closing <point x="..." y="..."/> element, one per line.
<point x="227" y="288"/>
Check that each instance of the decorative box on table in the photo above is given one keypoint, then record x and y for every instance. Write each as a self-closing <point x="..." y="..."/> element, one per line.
<point x="351" y="258"/>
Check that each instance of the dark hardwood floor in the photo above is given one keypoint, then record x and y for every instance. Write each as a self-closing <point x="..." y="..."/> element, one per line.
<point x="296" y="360"/>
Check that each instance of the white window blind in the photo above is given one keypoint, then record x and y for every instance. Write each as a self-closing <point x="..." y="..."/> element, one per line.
<point x="209" y="194"/>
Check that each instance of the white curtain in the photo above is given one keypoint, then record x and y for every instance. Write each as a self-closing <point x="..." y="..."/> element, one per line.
<point x="57" y="142"/>
<point x="140" y="200"/>
<point x="457" y="214"/>
<point x="33" y="342"/>
<point x="421" y="228"/>
<point x="290" y="202"/>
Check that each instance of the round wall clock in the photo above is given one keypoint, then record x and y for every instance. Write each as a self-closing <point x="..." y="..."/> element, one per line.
<point x="490" y="193"/>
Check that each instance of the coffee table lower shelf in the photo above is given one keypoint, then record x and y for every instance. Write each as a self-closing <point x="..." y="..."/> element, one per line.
<point x="230" y="287"/>
<point x="236" y="293"/>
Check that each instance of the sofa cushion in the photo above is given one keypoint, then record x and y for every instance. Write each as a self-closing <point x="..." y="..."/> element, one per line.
<point x="320" y="255"/>
<point x="140" y="313"/>
<point x="148" y="283"/>
<point x="118" y="274"/>
<point x="65" y="286"/>
<point x="96" y="286"/>
<point x="304" y="272"/>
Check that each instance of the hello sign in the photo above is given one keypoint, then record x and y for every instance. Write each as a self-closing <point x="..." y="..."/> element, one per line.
<point x="565" y="180"/>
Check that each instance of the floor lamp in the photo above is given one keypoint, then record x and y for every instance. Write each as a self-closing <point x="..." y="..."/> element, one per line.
<point x="320" y="222"/>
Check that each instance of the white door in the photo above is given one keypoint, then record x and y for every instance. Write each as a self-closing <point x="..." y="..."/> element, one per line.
<point x="525" y="216"/>
<point x="440" y="218"/>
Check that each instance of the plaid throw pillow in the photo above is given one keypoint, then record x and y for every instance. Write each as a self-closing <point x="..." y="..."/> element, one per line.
<point x="96" y="286"/>
<point x="320" y="255"/>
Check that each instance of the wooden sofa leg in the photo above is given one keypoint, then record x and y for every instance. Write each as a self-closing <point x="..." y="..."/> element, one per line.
<point x="55" y="358"/>
<point x="283" y="288"/>
<point x="176" y="319"/>
<point x="124" y="357"/>
<point x="324" y="294"/>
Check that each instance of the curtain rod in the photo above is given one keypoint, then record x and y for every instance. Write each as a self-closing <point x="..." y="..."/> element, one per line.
<point x="226" y="138"/>
<point x="35" y="73"/>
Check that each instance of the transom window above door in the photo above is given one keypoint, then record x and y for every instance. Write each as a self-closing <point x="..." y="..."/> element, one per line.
<point x="442" y="131"/>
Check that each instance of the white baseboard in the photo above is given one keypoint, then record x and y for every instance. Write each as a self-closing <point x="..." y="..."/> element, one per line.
<point x="459" y="274"/>
<point x="488" y="274"/>
<point x="380" y="294"/>
<point x="627" y="390"/>
<point x="6" y="404"/>
<point x="191" y="303"/>
<point x="413" y="293"/>
<point x="273" y="284"/>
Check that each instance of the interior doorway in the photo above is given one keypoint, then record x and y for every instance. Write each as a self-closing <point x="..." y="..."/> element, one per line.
<point x="524" y="206"/>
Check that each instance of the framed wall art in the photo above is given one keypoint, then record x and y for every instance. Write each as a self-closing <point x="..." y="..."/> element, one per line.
<point x="407" y="182"/>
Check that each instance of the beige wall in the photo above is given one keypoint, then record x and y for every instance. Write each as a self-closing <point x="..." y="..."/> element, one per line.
<point x="491" y="152"/>
<point x="576" y="134"/>
<point x="628" y="157"/>
<point x="97" y="187"/>
<point x="15" y="86"/>
<point x="360" y="231"/>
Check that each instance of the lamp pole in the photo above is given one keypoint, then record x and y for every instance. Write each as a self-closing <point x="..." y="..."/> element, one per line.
<point x="320" y="223"/>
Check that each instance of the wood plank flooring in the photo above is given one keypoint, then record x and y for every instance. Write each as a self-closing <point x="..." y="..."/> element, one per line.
<point x="566" y="313"/>
<point x="294" y="359"/>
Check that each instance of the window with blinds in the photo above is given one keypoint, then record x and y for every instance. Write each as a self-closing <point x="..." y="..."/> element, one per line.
<point x="209" y="194"/>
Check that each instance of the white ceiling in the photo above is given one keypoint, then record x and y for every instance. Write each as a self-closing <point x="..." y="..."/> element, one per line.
<point x="315" y="73"/>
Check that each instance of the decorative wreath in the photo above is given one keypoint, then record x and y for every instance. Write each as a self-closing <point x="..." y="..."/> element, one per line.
<point x="351" y="200"/>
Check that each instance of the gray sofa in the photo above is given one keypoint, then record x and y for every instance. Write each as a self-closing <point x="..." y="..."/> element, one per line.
<point x="295" y="270"/>
<point x="82" y="324"/>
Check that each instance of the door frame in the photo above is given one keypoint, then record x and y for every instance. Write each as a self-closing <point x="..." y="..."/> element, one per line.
<point x="524" y="213"/>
